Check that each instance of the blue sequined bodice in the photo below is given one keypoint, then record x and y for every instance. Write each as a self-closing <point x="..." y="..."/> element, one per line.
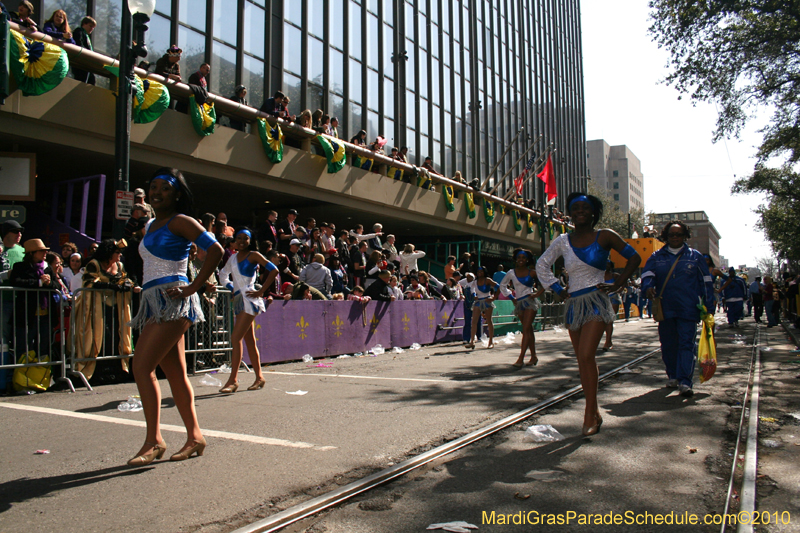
<point x="594" y="254"/>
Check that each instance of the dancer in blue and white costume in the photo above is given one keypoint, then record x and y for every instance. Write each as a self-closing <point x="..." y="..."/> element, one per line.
<point x="486" y="291"/>
<point x="242" y="269"/>
<point x="523" y="279"/>
<point x="588" y="308"/>
<point x="169" y="305"/>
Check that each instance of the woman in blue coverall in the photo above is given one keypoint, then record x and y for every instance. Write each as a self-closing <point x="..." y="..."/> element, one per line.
<point x="689" y="284"/>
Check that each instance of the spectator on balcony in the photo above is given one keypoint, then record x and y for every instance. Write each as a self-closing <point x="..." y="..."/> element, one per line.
<point x="268" y="232"/>
<point x="296" y="262"/>
<point x="359" y="139"/>
<point x="408" y="259"/>
<point x="341" y="244"/>
<point x="323" y="126"/>
<point x="238" y="96"/>
<point x="200" y="77"/>
<point x="318" y="276"/>
<point x="415" y="291"/>
<point x="284" y="112"/>
<point x="397" y="290"/>
<point x="273" y="106"/>
<point x="24" y="14"/>
<point x="169" y="65"/>
<point x="338" y="275"/>
<point x="82" y="38"/>
<point x="432" y="285"/>
<point x="403" y="154"/>
<point x="57" y="27"/>
<point x="334" y="127"/>
<point x="378" y="144"/>
<point x="286" y="231"/>
<point x="314" y="244"/>
<point x="316" y="118"/>
<point x="395" y="154"/>
<point x="304" y="119"/>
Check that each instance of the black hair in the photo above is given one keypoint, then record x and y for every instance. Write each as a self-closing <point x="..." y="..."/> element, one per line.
<point x="485" y="271"/>
<point x="710" y="261"/>
<point x="272" y="253"/>
<point x="594" y="201"/>
<point x="299" y="290"/>
<point x="185" y="201"/>
<point x="528" y="253"/>
<point x="687" y="232"/>
<point x="253" y="244"/>
<point x="105" y="250"/>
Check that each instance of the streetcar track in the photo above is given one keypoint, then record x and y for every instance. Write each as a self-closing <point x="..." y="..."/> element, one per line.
<point x="340" y="495"/>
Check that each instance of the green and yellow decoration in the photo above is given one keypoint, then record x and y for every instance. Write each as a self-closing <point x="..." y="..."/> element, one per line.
<point x="448" y="198"/>
<point x="517" y="222"/>
<point x="470" y="204"/>
<point x="151" y="100"/>
<point x="395" y="173"/>
<point x="204" y="117"/>
<point x="334" y="152"/>
<point x="530" y="223"/>
<point x="271" y="140"/>
<point x="488" y="210"/>
<point x="364" y="163"/>
<point x="37" y="66"/>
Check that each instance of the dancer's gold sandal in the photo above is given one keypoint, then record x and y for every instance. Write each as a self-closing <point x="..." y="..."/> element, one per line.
<point x="198" y="447"/>
<point x="259" y="384"/>
<point x="146" y="458"/>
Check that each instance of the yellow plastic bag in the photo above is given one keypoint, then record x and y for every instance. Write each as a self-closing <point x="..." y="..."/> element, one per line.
<point x="707" y="350"/>
<point x="33" y="377"/>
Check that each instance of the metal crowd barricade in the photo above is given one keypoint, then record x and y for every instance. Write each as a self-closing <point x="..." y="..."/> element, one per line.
<point x="32" y="325"/>
<point x="208" y="344"/>
<point x="552" y="311"/>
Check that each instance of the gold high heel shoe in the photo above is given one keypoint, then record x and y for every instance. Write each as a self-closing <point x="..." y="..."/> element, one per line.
<point x="145" y="459"/>
<point x="229" y="389"/>
<point x="588" y="431"/>
<point x="259" y="384"/>
<point x="198" y="448"/>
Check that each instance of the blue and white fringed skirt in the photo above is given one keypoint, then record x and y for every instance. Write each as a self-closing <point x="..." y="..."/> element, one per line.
<point x="526" y="302"/>
<point x="482" y="304"/>
<point x="251" y="306"/>
<point x="157" y="307"/>
<point x="587" y="305"/>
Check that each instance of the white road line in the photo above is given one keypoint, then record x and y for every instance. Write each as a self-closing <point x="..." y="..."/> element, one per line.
<point x="359" y="377"/>
<point x="167" y="427"/>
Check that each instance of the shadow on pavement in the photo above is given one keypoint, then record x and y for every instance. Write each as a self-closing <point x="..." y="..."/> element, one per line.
<point x="658" y="400"/>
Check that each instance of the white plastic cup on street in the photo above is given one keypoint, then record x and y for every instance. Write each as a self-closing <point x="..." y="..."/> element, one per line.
<point x="308" y="359"/>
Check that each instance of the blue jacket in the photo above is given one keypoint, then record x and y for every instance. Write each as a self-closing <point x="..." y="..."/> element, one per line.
<point x="736" y="289"/>
<point x="690" y="282"/>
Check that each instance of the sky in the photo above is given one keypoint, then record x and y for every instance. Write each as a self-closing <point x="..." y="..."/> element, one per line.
<point x="627" y="103"/>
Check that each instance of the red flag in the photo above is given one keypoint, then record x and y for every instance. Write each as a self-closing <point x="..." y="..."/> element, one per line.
<point x="549" y="178"/>
<point x="520" y="181"/>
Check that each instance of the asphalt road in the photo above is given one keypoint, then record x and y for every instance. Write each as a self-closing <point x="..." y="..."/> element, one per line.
<point x="269" y="450"/>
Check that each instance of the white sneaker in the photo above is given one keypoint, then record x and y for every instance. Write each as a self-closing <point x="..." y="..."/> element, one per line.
<point x="686" y="391"/>
<point x="672" y="384"/>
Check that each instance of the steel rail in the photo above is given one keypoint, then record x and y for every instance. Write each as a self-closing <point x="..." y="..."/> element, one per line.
<point x="756" y="340"/>
<point x="320" y="503"/>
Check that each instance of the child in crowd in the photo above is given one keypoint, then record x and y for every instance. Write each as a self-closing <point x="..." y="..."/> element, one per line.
<point x="358" y="295"/>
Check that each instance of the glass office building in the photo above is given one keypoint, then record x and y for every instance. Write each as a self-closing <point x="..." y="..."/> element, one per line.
<point x="453" y="79"/>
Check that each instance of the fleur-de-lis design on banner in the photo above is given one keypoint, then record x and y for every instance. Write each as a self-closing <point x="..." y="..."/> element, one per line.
<point x="445" y="316"/>
<point x="374" y="324"/>
<point x="303" y="325"/>
<point x="405" y="321"/>
<point x="338" y="324"/>
<point x="431" y="321"/>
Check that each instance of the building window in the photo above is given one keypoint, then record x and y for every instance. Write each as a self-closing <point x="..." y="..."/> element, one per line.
<point x="616" y="173"/>
<point x="616" y="197"/>
<point x="616" y="185"/>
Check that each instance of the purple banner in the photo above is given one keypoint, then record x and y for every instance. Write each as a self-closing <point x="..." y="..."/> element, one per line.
<point x="288" y="330"/>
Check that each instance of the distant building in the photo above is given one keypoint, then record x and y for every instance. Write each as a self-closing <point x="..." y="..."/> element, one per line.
<point x="618" y="170"/>
<point x="705" y="237"/>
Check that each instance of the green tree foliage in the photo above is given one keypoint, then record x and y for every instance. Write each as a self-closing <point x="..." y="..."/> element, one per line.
<point x="780" y="216"/>
<point x="613" y="217"/>
<point x="740" y="54"/>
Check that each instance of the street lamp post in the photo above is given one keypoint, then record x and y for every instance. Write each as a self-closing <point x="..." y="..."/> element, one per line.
<point x="135" y="16"/>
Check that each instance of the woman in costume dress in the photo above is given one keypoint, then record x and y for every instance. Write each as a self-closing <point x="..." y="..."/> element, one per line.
<point x="526" y="304"/>
<point x="169" y="305"/>
<point x="486" y="291"/>
<point x="588" y="308"/>
<point x="248" y="302"/>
